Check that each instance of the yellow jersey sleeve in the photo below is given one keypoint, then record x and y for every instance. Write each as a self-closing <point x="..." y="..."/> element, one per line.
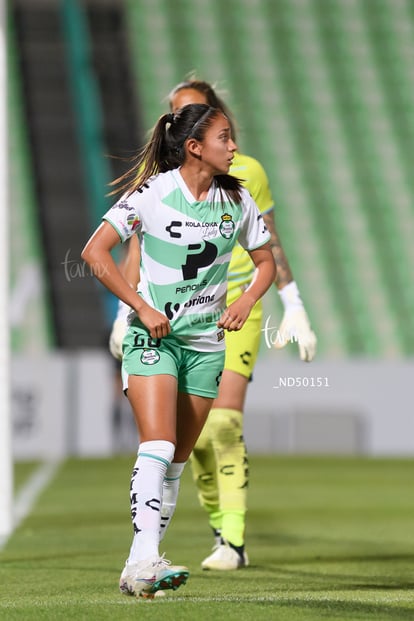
<point x="254" y="178"/>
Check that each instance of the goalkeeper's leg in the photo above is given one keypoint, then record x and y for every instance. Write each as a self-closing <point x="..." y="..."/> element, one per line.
<point x="204" y="470"/>
<point x="220" y="471"/>
<point x="219" y="459"/>
<point x="226" y="435"/>
<point x="232" y="471"/>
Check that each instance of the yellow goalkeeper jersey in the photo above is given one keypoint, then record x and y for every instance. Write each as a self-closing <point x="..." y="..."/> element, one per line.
<point x="253" y="177"/>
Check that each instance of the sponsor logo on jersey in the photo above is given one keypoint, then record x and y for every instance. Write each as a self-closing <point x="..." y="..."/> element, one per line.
<point x="170" y="309"/>
<point x="199" y="255"/>
<point x="122" y="204"/>
<point x="174" y="224"/>
<point x="133" y="221"/>
<point x="201" y="299"/>
<point x="197" y="225"/>
<point x="208" y="317"/>
<point x="198" y="285"/>
<point x="226" y="227"/>
<point x="150" y="356"/>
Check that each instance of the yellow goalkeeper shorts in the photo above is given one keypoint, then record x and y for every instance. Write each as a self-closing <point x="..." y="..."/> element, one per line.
<point x="242" y="347"/>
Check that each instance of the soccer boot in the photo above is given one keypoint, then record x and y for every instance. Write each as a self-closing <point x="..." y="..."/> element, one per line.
<point x="145" y="578"/>
<point x="225" y="556"/>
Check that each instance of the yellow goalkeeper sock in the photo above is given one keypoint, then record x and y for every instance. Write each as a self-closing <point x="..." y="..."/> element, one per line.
<point x="226" y="433"/>
<point x="204" y="470"/>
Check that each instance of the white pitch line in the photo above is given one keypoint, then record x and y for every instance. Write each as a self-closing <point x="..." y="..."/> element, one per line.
<point x="29" y="493"/>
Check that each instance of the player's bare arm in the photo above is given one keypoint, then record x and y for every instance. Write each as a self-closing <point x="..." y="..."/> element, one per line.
<point x="284" y="273"/>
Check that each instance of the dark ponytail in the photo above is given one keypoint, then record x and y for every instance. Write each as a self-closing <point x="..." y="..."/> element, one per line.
<point x="150" y="160"/>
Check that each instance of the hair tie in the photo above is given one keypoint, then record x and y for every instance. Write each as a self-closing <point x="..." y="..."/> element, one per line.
<point x="170" y="117"/>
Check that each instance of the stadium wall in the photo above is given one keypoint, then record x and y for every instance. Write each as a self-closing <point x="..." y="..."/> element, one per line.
<point x="327" y="407"/>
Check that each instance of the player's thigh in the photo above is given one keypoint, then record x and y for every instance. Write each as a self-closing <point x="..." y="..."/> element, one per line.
<point x="198" y="381"/>
<point x="149" y="371"/>
<point x="192" y="412"/>
<point x="154" y="402"/>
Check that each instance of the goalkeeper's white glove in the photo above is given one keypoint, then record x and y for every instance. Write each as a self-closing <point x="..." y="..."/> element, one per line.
<point x="295" y="325"/>
<point x="119" y="329"/>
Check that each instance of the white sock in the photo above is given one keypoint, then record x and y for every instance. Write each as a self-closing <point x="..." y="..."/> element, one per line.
<point x="147" y="478"/>
<point x="170" y="488"/>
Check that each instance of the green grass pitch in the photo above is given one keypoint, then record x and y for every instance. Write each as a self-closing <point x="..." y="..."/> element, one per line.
<point x="328" y="538"/>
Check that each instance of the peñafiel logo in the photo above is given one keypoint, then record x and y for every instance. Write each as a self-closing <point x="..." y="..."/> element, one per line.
<point x="195" y="287"/>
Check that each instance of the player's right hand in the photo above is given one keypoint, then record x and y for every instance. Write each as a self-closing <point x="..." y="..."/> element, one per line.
<point x="156" y="322"/>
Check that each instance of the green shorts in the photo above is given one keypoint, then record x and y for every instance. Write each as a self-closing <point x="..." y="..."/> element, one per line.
<point x="197" y="372"/>
<point x="242" y="347"/>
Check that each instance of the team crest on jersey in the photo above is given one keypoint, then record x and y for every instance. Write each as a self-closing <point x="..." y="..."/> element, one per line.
<point x="133" y="221"/>
<point x="150" y="356"/>
<point x="226" y="227"/>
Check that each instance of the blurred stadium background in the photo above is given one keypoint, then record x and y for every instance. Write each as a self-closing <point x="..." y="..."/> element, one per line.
<point x="323" y="91"/>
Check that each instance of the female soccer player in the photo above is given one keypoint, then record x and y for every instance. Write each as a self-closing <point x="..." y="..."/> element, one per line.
<point x="189" y="214"/>
<point x="219" y="460"/>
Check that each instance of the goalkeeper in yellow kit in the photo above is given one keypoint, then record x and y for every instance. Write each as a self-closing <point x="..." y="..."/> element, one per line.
<point x="219" y="460"/>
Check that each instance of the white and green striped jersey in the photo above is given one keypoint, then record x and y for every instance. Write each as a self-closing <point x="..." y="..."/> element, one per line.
<point x="186" y="248"/>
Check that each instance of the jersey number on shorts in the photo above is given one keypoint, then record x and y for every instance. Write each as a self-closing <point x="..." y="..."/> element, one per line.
<point x="146" y="341"/>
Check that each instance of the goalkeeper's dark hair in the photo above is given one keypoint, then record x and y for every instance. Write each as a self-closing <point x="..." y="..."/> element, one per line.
<point x="211" y="96"/>
<point x="165" y="150"/>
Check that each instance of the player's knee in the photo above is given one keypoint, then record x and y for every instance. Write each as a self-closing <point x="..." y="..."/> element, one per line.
<point x="226" y="426"/>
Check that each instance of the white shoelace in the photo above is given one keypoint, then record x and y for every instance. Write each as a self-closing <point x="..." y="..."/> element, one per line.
<point x="161" y="562"/>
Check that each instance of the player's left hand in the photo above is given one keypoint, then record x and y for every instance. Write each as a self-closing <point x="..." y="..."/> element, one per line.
<point x="295" y="327"/>
<point x="234" y="316"/>
<point x="231" y="322"/>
